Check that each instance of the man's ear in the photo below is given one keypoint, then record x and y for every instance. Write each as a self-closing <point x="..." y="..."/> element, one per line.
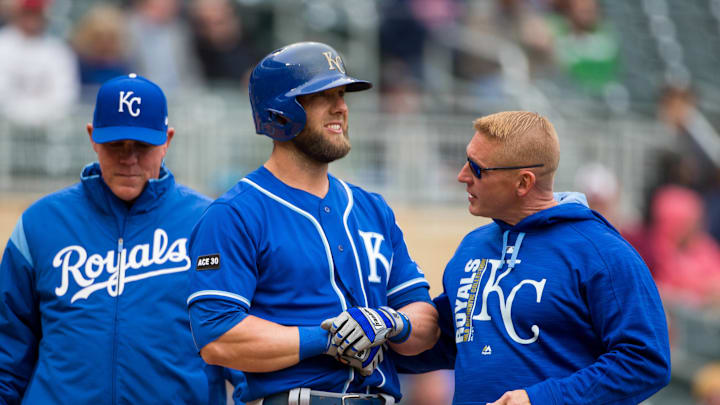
<point x="89" y="128"/>
<point x="170" y="135"/>
<point x="525" y="182"/>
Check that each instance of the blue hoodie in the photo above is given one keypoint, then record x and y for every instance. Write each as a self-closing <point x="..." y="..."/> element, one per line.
<point x="559" y="305"/>
<point x="80" y="326"/>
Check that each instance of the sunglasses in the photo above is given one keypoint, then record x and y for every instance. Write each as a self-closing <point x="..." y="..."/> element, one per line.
<point x="477" y="169"/>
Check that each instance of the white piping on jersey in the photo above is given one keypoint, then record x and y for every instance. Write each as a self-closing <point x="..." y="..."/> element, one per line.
<point x="352" y="243"/>
<point x="328" y="253"/>
<point x="387" y="280"/>
<point x="349" y="380"/>
<point x="407" y="284"/>
<point x="226" y="294"/>
<point x="312" y="219"/>
<point x="383" y="378"/>
<point x="192" y="333"/>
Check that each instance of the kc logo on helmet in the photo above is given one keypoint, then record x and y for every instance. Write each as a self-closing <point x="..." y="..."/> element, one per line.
<point x="335" y="63"/>
<point x="129" y="103"/>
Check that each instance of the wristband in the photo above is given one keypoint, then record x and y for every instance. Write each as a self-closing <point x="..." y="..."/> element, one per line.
<point x="314" y="341"/>
<point x="405" y="334"/>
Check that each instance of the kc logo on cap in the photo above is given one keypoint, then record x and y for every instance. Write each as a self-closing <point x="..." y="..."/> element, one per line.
<point x="129" y="103"/>
<point x="130" y="107"/>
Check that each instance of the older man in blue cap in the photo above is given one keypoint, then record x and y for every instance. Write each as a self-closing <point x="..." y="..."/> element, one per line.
<point x="93" y="279"/>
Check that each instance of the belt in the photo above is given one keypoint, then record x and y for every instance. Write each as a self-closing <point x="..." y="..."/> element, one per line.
<point x="306" y="396"/>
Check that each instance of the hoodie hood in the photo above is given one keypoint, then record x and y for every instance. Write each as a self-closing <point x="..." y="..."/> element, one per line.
<point x="565" y="197"/>
<point x="104" y="199"/>
<point x="571" y="207"/>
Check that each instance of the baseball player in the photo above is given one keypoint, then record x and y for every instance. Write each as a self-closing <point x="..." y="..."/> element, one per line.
<point x="93" y="278"/>
<point x="302" y="280"/>
<point x="547" y="304"/>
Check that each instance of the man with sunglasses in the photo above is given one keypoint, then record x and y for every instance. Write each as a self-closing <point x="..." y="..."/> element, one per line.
<point x="547" y="304"/>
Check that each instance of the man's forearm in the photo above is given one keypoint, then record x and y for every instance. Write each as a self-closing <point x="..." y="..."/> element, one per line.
<point x="255" y="345"/>
<point x="425" y="332"/>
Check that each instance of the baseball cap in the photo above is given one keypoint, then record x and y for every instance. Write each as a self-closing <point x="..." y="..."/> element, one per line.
<point x="130" y="107"/>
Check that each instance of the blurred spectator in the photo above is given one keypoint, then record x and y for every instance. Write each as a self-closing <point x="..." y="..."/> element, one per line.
<point x="4" y="12"/>
<point x="712" y="201"/>
<point x="38" y="72"/>
<point x="601" y="188"/>
<point x="433" y="388"/>
<point x="706" y="384"/>
<point x="518" y="21"/>
<point x="401" y="92"/>
<point x="401" y="35"/>
<point x="161" y="44"/>
<point x="99" y="41"/>
<point x="687" y="161"/>
<point x="497" y="25"/>
<point x="685" y="259"/>
<point x="693" y="167"/>
<point x="223" y="51"/>
<point x="586" y="48"/>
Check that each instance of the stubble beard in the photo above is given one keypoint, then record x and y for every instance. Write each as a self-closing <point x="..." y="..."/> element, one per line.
<point x="317" y="147"/>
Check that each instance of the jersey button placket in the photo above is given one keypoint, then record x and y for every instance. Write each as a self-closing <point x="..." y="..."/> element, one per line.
<point x="327" y="209"/>
<point x="341" y="248"/>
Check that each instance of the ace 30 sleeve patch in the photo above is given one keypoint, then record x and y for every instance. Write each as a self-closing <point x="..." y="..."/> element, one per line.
<point x="208" y="262"/>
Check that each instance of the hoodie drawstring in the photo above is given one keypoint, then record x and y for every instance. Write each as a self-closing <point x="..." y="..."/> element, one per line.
<point x="516" y="249"/>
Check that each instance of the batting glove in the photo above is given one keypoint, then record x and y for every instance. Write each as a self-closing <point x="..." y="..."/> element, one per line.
<point x="365" y="361"/>
<point x="361" y="328"/>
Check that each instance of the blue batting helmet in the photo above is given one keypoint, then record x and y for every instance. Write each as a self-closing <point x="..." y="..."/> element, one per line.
<point x="288" y="72"/>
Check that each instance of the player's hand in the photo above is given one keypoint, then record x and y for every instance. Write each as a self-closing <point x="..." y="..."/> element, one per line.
<point x="365" y="361"/>
<point x="361" y="328"/>
<point x="331" y="349"/>
<point x="517" y="397"/>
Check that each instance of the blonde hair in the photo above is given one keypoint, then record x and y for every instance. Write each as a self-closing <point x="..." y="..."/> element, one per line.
<point x="526" y="138"/>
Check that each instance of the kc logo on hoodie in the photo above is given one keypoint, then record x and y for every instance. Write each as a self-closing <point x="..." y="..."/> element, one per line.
<point x="468" y="293"/>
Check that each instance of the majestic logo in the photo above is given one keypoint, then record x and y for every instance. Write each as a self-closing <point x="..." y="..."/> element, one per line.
<point x="487" y="350"/>
<point x="129" y="102"/>
<point x="73" y="260"/>
<point x="373" y="242"/>
<point x="467" y="300"/>
<point x="334" y="63"/>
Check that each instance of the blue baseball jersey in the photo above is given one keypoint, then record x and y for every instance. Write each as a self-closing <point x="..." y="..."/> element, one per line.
<point x="290" y="257"/>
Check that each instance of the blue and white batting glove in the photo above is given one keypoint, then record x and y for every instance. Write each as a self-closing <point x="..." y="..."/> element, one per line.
<point x="361" y="328"/>
<point x="366" y="361"/>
